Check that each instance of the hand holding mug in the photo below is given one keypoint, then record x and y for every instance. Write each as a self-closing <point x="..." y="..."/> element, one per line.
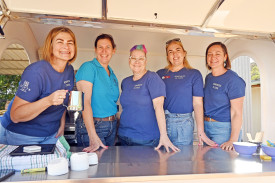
<point x="57" y="97"/>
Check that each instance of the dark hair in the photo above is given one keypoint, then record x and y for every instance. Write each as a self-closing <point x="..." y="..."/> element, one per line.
<point x="105" y="36"/>
<point x="227" y="62"/>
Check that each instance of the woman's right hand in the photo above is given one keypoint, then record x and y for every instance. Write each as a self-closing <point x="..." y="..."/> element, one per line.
<point x="57" y="97"/>
<point x="95" y="144"/>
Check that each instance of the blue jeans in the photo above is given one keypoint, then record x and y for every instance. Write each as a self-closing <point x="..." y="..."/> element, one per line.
<point x="127" y="141"/>
<point x="180" y="128"/>
<point x="106" y="131"/>
<point x="219" y="132"/>
<point x="3" y="137"/>
<point x="19" y="139"/>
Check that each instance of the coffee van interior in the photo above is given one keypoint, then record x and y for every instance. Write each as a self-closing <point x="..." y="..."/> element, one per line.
<point x="245" y="26"/>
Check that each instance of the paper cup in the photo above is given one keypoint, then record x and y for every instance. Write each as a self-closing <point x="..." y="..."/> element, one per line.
<point x="58" y="166"/>
<point x="79" y="161"/>
<point x="93" y="159"/>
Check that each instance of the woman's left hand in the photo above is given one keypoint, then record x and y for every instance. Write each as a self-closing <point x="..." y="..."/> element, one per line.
<point x="227" y="146"/>
<point x="204" y="139"/>
<point x="165" y="141"/>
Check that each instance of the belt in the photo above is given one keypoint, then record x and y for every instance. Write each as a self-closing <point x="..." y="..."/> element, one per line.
<point x="209" y="119"/>
<point x="110" y="118"/>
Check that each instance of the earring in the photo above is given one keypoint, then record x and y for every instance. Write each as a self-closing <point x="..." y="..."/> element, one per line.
<point x="224" y="63"/>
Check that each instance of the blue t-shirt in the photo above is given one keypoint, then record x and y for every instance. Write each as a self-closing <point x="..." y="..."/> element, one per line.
<point x="6" y="120"/>
<point x="181" y="86"/>
<point x="105" y="88"/>
<point x="138" y="119"/>
<point x="218" y="91"/>
<point x="39" y="80"/>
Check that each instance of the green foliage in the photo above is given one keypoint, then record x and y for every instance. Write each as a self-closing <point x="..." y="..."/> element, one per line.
<point x="255" y="74"/>
<point x="8" y="88"/>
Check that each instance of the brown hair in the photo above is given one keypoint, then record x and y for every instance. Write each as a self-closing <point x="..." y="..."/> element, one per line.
<point x="227" y="61"/>
<point x="47" y="50"/>
<point x="185" y="61"/>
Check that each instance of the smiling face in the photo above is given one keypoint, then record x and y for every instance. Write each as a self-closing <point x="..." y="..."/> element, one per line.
<point x="63" y="47"/>
<point x="104" y="51"/>
<point x="138" y="61"/>
<point x="175" y="55"/>
<point x="216" y="57"/>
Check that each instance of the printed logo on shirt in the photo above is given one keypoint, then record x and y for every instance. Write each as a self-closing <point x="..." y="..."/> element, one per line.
<point x="25" y="86"/>
<point x="216" y="86"/>
<point x="137" y="86"/>
<point x="180" y="77"/>
<point x="115" y="82"/>
<point x="165" y="77"/>
<point x="67" y="83"/>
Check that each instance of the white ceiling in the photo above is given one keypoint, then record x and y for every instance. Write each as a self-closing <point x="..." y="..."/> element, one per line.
<point x="245" y="15"/>
<point x="227" y="16"/>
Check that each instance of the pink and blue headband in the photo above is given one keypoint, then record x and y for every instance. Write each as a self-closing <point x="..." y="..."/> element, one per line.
<point x="139" y="47"/>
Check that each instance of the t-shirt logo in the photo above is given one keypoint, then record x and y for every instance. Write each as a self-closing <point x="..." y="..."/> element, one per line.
<point x="216" y="86"/>
<point x="25" y="86"/>
<point x="67" y="83"/>
<point x="180" y="77"/>
<point x="165" y="77"/>
<point x="137" y="86"/>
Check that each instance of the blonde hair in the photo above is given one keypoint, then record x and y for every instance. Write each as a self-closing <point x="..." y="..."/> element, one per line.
<point x="47" y="50"/>
<point x="185" y="61"/>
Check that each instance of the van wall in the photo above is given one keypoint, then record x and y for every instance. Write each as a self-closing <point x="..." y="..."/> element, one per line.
<point x="20" y="33"/>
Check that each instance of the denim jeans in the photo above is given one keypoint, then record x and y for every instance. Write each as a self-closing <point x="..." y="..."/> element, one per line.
<point x="219" y="132"/>
<point x="126" y="141"/>
<point x="19" y="139"/>
<point x="180" y="128"/>
<point x="106" y="131"/>
<point x="3" y="137"/>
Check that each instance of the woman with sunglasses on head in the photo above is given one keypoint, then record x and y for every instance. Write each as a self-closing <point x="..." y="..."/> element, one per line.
<point x="184" y="94"/>
<point x="99" y="84"/>
<point x="36" y="114"/>
<point x="224" y="93"/>
<point x="142" y="121"/>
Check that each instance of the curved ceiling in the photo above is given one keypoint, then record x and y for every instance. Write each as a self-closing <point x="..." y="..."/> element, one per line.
<point x="218" y="18"/>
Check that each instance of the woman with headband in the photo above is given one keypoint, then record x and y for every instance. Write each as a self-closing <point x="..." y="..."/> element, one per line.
<point x="142" y="121"/>
<point x="184" y="90"/>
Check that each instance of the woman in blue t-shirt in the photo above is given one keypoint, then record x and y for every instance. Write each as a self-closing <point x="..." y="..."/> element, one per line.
<point x="36" y="115"/>
<point x="224" y="93"/>
<point x="184" y="89"/>
<point x="142" y="121"/>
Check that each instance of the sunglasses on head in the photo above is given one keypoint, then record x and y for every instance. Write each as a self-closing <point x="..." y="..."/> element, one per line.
<point x="176" y="39"/>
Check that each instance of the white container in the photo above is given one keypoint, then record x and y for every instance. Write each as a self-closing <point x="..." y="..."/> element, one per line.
<point x="79" y="161"/>
<point x="93" y="159"/>
<point x="58" y="166"/>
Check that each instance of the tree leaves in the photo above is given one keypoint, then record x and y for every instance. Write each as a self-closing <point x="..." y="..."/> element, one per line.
<point x="8" y="88"/>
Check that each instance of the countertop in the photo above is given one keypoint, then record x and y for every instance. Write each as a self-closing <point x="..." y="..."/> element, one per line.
<point x="140" y="164"/>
